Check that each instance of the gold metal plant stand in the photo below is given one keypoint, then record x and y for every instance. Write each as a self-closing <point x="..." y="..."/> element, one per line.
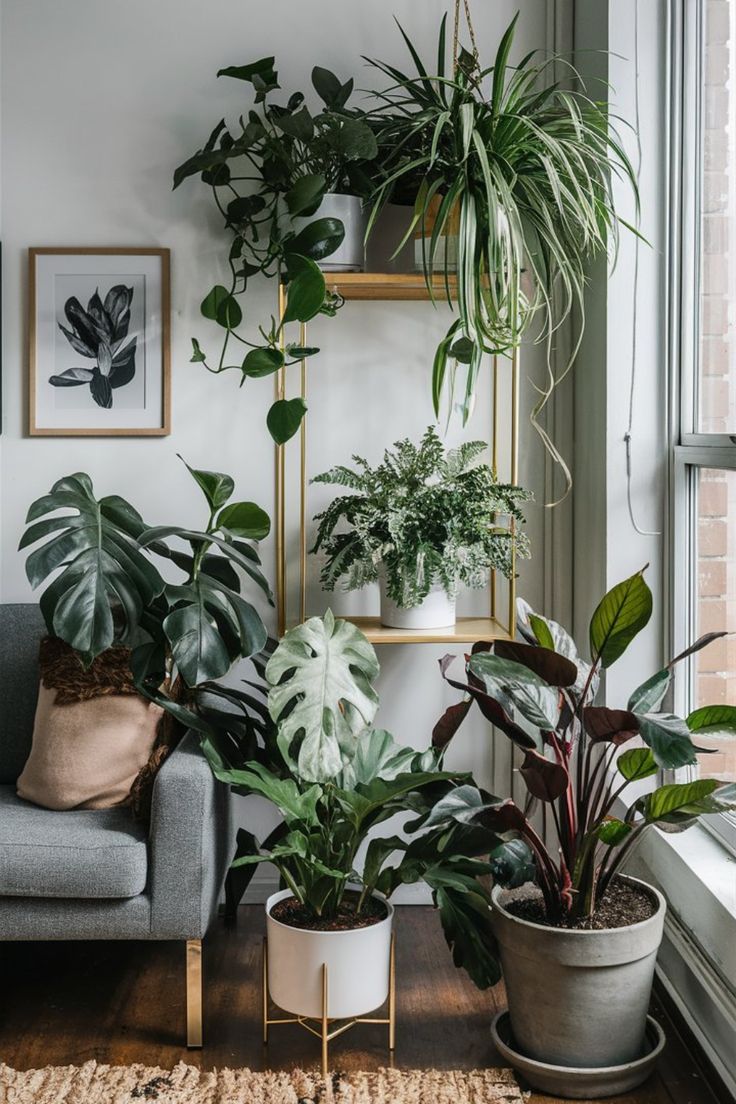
<point x="379" y="286"/>
<point x="322" y="1029"/>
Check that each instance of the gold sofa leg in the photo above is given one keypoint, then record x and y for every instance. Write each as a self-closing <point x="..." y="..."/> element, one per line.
<point x="194" y="992"/>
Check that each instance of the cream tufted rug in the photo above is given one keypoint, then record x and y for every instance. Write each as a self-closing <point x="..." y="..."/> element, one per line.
<point x="93" y="1084"/>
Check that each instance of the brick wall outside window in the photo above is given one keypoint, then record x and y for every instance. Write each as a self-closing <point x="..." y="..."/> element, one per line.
<point x="715" y="680"/>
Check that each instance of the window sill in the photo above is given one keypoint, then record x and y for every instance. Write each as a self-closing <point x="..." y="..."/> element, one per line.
<point x="697" y="960"/>
<point x="697" y="875"/>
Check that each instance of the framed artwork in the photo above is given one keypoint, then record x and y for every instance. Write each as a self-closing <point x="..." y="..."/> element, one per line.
<point x="99" y="342"/>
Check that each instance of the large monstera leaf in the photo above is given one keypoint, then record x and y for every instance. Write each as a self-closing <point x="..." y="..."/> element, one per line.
<point x="104" y="581"/>
<point x="321" y="695"/>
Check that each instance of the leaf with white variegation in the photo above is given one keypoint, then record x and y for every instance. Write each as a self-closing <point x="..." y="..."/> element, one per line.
<point x="320" y="677"/>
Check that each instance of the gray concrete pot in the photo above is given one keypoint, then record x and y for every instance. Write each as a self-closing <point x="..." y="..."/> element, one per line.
<point x="350" y="254"/>
<point x="578" y="998"/>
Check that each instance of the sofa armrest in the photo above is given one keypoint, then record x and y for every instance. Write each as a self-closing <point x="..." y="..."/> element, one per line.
<point x="190" y="844"/>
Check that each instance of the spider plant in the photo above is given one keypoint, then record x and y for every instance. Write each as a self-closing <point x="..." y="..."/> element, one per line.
<point x="528" y="163"/>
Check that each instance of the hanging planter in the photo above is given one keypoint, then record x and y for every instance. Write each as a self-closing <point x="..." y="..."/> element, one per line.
<point x="507" y="169"/>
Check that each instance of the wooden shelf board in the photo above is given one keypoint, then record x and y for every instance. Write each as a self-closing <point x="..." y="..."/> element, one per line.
<point x="386" y="285"/>
<point x="466" y="631"/>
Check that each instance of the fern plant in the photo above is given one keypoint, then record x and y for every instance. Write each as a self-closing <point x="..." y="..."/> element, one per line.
<point x="423" y="516"/>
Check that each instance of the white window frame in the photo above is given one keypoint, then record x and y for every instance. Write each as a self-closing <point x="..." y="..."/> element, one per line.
<point x="691" y="449"/>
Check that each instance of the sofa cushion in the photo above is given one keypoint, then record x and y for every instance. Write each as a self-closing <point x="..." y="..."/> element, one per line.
<point x="85" y="854"/>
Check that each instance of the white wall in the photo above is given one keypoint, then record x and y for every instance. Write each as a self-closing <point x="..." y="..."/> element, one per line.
<point x="99" y="103"/>
<point x="607" y="546"/>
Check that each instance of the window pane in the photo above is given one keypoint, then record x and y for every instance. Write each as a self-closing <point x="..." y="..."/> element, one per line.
<point x="717" y="376"/>
<point x="715" y="666"/>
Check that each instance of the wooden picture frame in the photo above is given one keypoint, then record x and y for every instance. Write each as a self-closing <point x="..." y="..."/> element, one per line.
<point x="98" y="315"/>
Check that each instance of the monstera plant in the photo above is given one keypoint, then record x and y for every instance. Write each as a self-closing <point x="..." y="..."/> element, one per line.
<point x="334" y="778"/>
<point x="105" y="586"/>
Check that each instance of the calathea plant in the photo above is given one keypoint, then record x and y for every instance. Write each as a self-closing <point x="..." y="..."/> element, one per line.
<point x="542" y="695"/>
<point x="98" y="333"/>
<point x="275" y="167"/>
<point x="527" y="162"/>
<point x="424" y="515"/>
<point x="105" y="588"/>
<point x="334" y="778"/>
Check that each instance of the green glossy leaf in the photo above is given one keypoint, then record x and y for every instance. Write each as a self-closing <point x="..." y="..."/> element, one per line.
<point x="321" y="695"/>
<point x="284" y="418"/>
<point x="680" y="800"/>
<point x="669" y="738"/>
<point x="299" y="126"/>
<point x="262" y="362"/>
<point x="305" y="195"/>
<point x="612" y="831"/>
<point x="216" y="486"/>
<point x="713" y="720"/>
<point x="212" y="301"/>
<point x="329" y="88"/>
<point x="105" y="582"/>
<point x="306" y="292"/>
<point x="246" y="520"/>
<point x="620" y="615"/>
<point x="648" y="697"/>
<point x="542" y="631"/>
<point x="196" y="644"/>
<point x="295" y="804"/>
<point x="318" y="239"/>
<point x="637" y="763"/>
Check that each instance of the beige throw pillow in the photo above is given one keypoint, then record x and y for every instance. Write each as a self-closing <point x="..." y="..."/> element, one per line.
<point x="87" y="754"/>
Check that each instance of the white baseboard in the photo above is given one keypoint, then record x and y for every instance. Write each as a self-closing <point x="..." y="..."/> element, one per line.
<point x="705" y="1002"/>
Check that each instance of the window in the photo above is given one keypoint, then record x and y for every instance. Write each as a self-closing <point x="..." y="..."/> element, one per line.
<point x="704" y="484"/>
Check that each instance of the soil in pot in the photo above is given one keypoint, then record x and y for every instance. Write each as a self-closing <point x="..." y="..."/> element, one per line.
<point x="292" y="913"/>
<point x="624" y="904"/>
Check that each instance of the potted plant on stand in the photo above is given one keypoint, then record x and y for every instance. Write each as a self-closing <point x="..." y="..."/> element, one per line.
<point x="334" y="778"/>
<point x="578" y="948"/>
<point x="422" y="522"/>
<point x="290" y="185"/>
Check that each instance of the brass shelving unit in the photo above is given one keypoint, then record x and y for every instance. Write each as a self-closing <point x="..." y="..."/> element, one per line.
<point x="382" y="286"/>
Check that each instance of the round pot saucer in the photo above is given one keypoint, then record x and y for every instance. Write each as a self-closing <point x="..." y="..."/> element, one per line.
<point x="575" y="1082"/>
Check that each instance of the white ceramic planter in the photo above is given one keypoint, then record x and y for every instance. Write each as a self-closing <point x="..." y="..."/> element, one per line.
<point x="437" y="611"/>
<point x="578" y="998"/>
<point x="358" y="966"/>
<point x="350" y="254"/>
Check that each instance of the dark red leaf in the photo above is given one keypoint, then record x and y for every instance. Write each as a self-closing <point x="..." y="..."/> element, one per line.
<point x="614" y="726"/>
<point x="555" y="669"/>
<point x="544" y="779"/>
<point x="449" y="723"/>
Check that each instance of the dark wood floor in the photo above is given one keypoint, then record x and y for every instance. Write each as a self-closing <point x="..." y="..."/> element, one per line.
<point x="119" y="1003"/>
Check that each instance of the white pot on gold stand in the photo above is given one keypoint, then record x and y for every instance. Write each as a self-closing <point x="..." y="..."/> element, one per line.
<point x="325" y="976"/>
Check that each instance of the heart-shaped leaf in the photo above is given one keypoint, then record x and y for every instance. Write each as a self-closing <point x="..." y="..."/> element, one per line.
<point x="305" y="194"/>
<point x="319" y="239"/>
<point x="262" y="362"/>
<point x="284" y="419"/>
<point x="306" y="291"/>
<point x="246" y="520"/>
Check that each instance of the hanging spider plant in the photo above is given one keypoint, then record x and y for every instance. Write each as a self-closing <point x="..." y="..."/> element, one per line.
<point x="529" y="164"/>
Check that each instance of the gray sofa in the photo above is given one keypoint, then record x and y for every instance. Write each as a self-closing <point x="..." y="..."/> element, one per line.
<point x="102" y="875"/>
